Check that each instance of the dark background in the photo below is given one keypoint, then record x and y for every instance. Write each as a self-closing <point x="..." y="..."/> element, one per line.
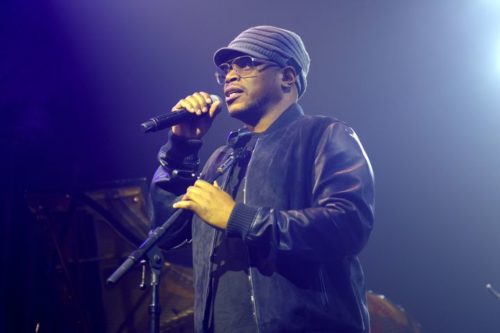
<point x="418" y="80"/>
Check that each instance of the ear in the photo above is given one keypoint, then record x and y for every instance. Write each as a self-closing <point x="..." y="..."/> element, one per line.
<point x="289" y="78"/>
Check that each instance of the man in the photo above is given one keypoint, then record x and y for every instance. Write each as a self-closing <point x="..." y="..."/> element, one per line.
<point x="276" y="237"/>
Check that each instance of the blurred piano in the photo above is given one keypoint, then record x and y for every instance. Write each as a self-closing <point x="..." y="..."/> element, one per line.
<point x="88" y="233"/>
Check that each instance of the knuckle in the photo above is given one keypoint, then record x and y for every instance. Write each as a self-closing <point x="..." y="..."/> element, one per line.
<point x="185" y="103"/>
<point x="199" y="98"/>
<point x="190" y="98"/>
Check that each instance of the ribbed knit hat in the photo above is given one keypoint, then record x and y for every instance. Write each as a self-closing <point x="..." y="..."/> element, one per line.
<point x="279" y="45"/>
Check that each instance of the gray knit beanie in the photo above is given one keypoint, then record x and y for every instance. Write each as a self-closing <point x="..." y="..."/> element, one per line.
<point x="271" y="43"/>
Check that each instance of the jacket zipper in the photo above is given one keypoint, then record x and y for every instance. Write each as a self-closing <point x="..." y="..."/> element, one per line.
<point x="214" y="239"/>
<point x="250" y="279"/>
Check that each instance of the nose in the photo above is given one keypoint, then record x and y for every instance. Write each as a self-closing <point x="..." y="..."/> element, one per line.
<point x="232" y="75"/>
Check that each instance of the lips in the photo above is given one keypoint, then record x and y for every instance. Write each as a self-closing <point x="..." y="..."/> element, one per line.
<point x="232" y="92"/>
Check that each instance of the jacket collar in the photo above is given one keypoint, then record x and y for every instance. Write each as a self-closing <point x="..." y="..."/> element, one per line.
<point x="293" y="112"/>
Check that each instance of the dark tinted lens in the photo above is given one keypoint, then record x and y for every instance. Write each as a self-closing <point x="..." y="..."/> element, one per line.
<point x="243" y="63"/>
<point x="225" y="67"/>
<point x="244" y="66"/>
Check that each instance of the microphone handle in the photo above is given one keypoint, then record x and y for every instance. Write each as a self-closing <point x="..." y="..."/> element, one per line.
<point x="166" y="120"/>
<point x="170" y="119"/>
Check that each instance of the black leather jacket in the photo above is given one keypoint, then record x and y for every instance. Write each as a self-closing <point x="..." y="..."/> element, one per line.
<point x="307" y="213"/>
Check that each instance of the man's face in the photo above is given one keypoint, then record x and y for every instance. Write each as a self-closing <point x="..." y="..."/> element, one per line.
<point x="249" y="97"/>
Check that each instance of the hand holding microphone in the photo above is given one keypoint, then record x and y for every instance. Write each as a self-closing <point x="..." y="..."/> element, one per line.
<point x="191" y="117"/>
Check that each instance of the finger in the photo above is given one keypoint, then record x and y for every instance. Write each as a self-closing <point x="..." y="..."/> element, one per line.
<point x="184" y="104"/>
<point x="216" y="184"/>
<point x="200" y="195"/>
<point x="207" y="97"/>
<point x="189" y="196"/>
<point x="183" y="205"/>
<point x="195" y="103"/>
<point x="214" y="108"/>
<point x="202" y="184"/>
<point x="177" y="106"/>
<point x="193" y="193"/>
<point x="201" y="101"/>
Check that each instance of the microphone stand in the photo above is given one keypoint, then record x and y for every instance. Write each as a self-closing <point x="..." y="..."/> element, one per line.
<point x="156" y="261"/>
<point x="150" y="249"/>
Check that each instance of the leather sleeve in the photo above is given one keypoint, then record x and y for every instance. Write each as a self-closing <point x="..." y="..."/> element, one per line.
<point x="178" y="166"/>
<point x="340" y="217"/>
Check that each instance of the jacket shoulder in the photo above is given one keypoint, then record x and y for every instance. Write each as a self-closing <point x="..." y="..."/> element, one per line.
<point x="321" y="119"/>
<point x="318" y="125"/>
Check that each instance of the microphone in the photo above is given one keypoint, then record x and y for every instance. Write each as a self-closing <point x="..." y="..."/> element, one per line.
<point x="170" y="119"/>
